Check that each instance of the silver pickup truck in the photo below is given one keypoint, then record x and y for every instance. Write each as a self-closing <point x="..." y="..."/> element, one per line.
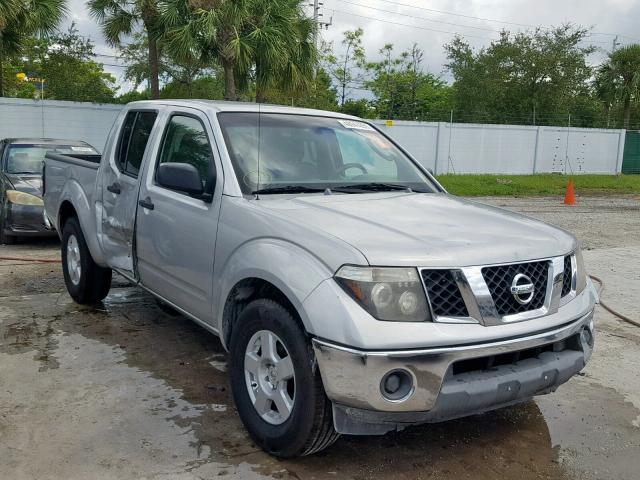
<point x="354" y="295"/>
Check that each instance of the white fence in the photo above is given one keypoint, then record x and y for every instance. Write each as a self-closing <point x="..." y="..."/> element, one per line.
<point x="90" y="122"/>
<point x="443" y="147"/>
<point x="511" y="149"/>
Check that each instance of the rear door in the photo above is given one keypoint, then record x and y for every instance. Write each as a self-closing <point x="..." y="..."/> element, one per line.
<point x="175" y="232"/>
<point x="120" y="186"/>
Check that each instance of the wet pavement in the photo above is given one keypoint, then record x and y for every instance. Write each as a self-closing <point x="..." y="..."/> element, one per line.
<point x="131" y="390"/>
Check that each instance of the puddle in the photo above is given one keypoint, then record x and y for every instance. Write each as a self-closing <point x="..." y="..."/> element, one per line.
<point x="129" y="390"/>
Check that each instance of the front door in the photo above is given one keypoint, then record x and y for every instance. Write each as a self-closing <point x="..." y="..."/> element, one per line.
<point x="120" y="188"/>
<point x="176" y="233"/>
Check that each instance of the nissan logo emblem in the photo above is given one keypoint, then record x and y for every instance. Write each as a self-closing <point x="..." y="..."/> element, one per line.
<point x="522" y="289"/>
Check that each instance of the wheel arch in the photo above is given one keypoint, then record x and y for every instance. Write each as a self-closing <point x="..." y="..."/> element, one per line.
<point x="74" y="203"/>
<point x="243" y="293"/>
<point x="273" y="268"/>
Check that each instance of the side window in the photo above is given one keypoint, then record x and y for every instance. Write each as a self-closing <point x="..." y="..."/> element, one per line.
<point x="125" y="136"/>
<point x="139" y="138"/>
<point x="185" y="141"/>
<point x="134" y="136"/>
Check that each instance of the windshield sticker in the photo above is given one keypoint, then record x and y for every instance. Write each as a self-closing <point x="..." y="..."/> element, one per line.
<point x="82" y="149"/>
<point x="354" y="125"/>
<point x="378" y="140"/>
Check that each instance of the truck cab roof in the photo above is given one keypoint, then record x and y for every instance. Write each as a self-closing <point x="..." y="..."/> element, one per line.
<point x="225" y="106"/>
<point x="42" y="141"/>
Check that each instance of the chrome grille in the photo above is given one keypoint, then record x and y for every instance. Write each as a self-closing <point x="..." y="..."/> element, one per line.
<point x="444" y="294"/>
<point x="499" y="278"/>
<point x="567" y="275"/>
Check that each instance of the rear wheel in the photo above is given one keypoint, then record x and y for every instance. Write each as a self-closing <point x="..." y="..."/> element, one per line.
<point x="86" y="282"/>
<point x="279" y="396"/>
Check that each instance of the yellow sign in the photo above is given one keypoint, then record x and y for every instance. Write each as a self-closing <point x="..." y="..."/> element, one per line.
<point x="21" y="76"/>
<point x="389" y="123"/>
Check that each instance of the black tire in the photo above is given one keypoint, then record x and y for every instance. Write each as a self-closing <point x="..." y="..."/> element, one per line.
<point x="309" y="428"/>
<point x="94" y="281"/>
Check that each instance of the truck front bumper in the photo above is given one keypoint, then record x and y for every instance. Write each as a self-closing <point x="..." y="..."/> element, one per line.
<point x="448" y="382"/>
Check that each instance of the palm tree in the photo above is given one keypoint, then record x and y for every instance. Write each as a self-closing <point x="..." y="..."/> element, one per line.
<point x="270" y="39"/>
<point x="21" y="18"/>
<point x="624" y="64"/>
<point x="277" y="43"/>
<point x="120" y="17"/>
<point x="204" y="29"/>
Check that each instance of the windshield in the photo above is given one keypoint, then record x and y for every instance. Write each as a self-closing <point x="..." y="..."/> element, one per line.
<point x="298" y="152"/>
<point x="29" y="158"/>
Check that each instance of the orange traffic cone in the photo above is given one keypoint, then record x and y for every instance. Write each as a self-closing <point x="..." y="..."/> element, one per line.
<point x="570" y="196"/>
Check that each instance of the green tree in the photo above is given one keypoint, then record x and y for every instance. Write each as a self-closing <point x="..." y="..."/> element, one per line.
<point x="185" y="72"/>
<point x="520" y="76"/>
<point x="321" y="94"/>
<point x="276" y="47"/>
<point x="65" y="62"/>
<point x="267" y="42"/>
<point x="204" y="29"/>
<point x="360" y="108"/>
<point x="606" y="87"/>
<point x="402" y="90"/>
<point x="120" y="18"/>
<point x="623" y="70"/>
<point x="21" y="18"/>
<point x="206" y="86"/>
<point x="348" y="68"/>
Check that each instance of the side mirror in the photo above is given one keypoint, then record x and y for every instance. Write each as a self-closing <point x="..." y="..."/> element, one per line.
<point x="181" y="177"/>
<point x="430" y="170"/>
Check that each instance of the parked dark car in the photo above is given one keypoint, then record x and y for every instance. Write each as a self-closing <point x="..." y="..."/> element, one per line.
<point x="21" y="160"/>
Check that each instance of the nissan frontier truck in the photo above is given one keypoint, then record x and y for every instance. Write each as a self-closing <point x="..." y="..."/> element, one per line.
<point x="353" y="293"/>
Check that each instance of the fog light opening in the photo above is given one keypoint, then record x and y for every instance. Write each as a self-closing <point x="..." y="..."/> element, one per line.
<point x="587" y="337"/>
<point x="397" y="385"/>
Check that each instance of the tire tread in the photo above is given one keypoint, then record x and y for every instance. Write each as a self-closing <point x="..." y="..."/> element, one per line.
<point x="95" y="281"/>
<point x="322" y="433"/>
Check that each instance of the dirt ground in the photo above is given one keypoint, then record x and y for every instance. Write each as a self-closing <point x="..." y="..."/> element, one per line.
<point x="128" y="390"/>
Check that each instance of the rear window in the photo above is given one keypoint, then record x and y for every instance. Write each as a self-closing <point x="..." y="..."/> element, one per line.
<point x="28" y="158"/>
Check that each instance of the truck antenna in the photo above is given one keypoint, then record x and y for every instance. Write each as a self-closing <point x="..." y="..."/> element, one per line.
<point x="259" y="131"/>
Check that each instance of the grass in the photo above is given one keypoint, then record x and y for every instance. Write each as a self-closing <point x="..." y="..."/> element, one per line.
<point x="538" y="185"/>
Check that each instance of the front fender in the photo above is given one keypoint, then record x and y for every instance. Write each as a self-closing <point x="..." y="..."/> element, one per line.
<point x="292" y="269"/>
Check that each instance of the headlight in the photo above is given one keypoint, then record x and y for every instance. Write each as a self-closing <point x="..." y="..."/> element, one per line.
<point x="581" y="273"/>
<point x="21" y="198"/>
<point x="393" y="294"/>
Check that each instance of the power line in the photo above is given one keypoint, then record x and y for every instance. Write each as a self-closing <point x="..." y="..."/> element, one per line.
<point x="427" y="28"/>
<point x="411" y="26"/>
<point x="484" y="19"/>
<point x="419" y="18"/>
<point x="458" y="14"/>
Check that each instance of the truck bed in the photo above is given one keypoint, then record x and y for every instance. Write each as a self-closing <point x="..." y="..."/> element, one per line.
<point x="71" y="176"/>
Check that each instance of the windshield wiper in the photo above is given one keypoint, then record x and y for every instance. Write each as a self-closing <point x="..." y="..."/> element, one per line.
<point x="287" y="189"/>
<point x="371" y="187"/>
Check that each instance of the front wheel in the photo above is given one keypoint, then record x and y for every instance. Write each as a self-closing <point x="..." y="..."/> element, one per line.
<point x="86" y="281"/>
<point x="279" y="396"/>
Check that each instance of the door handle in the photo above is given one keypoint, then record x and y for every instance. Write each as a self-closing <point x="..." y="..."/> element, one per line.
<point x="114" y="188"/>
<point x="146" y="203"/>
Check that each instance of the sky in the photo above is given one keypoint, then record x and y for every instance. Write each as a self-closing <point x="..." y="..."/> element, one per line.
<point x="433" y="23"/>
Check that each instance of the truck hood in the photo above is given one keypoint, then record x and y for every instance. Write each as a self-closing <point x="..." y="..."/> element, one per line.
<point x="424" y="229"/>
<point x="26" y="182"/>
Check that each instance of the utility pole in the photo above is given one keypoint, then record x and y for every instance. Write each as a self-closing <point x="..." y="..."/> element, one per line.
<point x="614" y="44"/>
<point x="316" y="16"/>
<point x="316" y="5"/>
<point x="317" y="25"/>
